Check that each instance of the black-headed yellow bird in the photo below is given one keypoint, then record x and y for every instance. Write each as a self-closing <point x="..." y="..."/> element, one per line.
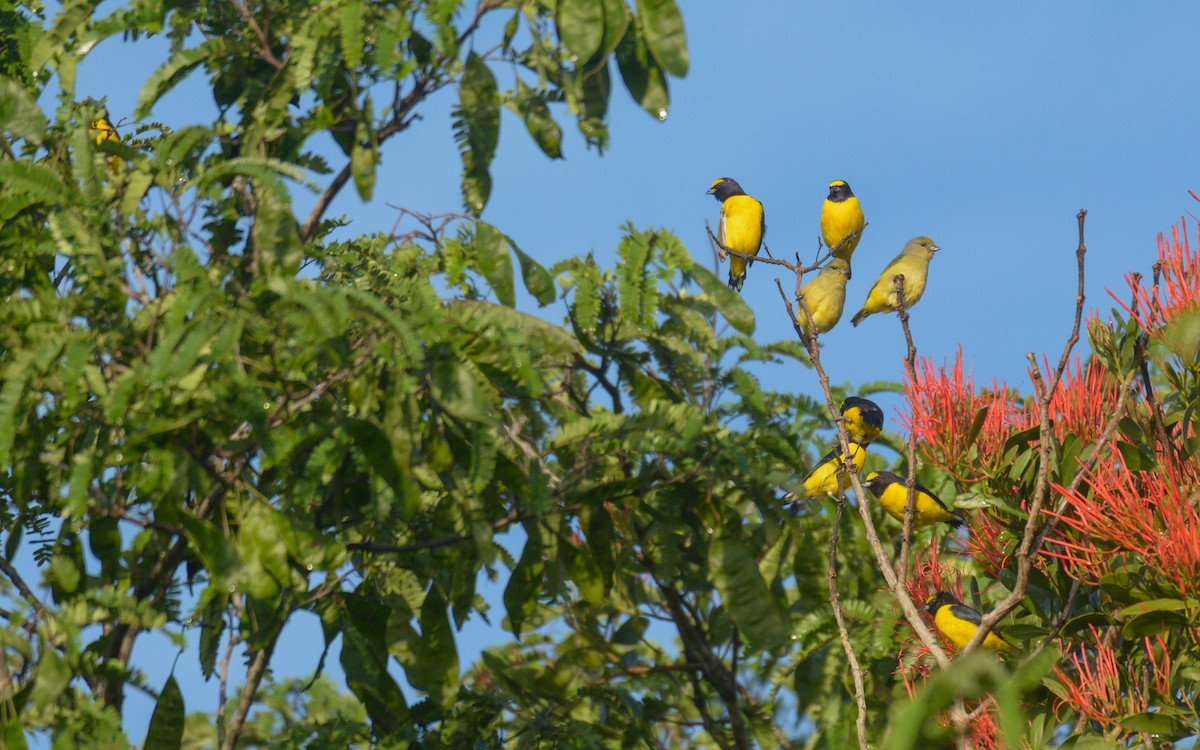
<point x="892" y="492"/>
<point x="103" y="130"/>
<point x="743" y="225"/>
<point x="841" y="220"/>
<point x="863" y="418"/>
<point x="825" y="296"/>
<point x="959" y="623"/>
<point x="913" y="262"/>
<point x="828" y="477"/>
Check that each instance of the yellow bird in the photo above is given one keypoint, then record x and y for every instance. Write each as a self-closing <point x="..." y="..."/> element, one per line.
<point x="829" y="477"/>
<point x="743" y="225"/>
<point x="842" y="221"/>
<point x="892" y="492"/>
<point x="959" y="623"/>
<point x="103" y="130"/>
<point x="826" y="296"/>
<point x="863" y="418"/>
<point x="913" y="262"/>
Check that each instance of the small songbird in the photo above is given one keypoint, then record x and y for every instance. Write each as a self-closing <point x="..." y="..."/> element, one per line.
<point x="863" y="418"/>
<point x="892" y="492"/>
<point x="959" y="623"/>
<point x="826" y="296"/>
<point x="742" y="227"/>
<point x="103" y="130"/>
<point x="913" y="262"/>
<point x="841" y="221"/>
<point x="828" y="477"/>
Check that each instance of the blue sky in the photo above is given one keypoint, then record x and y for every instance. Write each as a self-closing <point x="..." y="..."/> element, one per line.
<point x="985" y="126"/>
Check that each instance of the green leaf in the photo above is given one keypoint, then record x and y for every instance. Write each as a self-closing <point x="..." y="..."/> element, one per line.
<point x="642" y="74"/>
<point x="364" y="659"/>
<point x="580" y="26"/>
<point x="538" y="280"/>
<point x="477" y="127"/>
<point x="1154" y="605"/>
<point x="495" y="262"/>
<point x="616" y="21"/>
<point x="1161" y="725"/>
<point x="636" y="280"/>
<point x="376" y="447"/>
<point x="745" y="593"/>
<point x="525" y="583"/>
<point x="363" y="157"/>
<point x="731" y="304"/>
<point x="20" y="113"/>
<point x="538" y="121"/>
<point x="174" y="70"/>
<point x="352" y="36"/>
<point x="166" y="724"/>
<point x="662" y="25"/>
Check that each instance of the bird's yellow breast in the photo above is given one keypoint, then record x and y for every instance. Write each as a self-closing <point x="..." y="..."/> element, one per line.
<point x="827" y="479"/>
<point x="838" y="220"/>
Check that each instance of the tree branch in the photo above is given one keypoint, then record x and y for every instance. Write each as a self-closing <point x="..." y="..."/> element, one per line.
<point x="860" y="690"/>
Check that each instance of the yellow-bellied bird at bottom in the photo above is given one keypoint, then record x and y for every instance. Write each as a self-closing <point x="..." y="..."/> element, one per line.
<point x="828" y="477"/>
<point x="913" y="262"/>
<point x="103" y="130"/>
<point x="841" y="221"/>
<point x="863" y="418"/>
<point x="892" y="492"/>
<point x="959" y="623"/>
<point x="825" y="296"/>
<point x="742" y="227"/>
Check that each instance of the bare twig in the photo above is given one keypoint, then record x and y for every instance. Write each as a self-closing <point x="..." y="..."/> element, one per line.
<point x="860" y="690"/>
<point x="223" y="683"/>
<point x="910" y="360"/>
<point x="254" y="676"/>
<point x="1031" y="539"/>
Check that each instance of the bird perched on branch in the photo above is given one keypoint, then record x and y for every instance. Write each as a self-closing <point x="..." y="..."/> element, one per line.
<point x="825" y="296"/>
<point x="892" y="492"/>
<point x="841" y="221"/>
<point x="102" y="130"/>
<point x="959" y="623"/>
<point x="828" y="476"/>
<point x="913" y="262"/>
<point x="742" y="227"/>
<point x="863" y="419"/>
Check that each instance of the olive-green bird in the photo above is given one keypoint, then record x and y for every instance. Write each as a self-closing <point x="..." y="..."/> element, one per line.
<point x="825" y="296"/>
<point x="863" y="419"/>
<point x="959" y="623"/>
<point x="828" y="477"/>
<point x="913" y="262"/>
<point x="842" y="221"/>
<point x="892" y="492"/>
<point x="742" y="227"/>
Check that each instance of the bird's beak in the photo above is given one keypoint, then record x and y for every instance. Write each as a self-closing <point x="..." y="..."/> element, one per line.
<point x="710" y="191"/>
<point x="934" y="248"/>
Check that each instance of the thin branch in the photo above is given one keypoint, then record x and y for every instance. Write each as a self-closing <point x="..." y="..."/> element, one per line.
<point x="254" y="676"/>
<point x="911" y="614"/>
<point x="23" y="589"/>
<point x="860" y="690"/>
<point x="910" y="361"/>
<point x="223" y="683"/>
<point x="1031" y="539"/>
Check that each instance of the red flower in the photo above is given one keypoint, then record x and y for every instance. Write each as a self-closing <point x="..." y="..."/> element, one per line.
<point x="1148" y="513"/>
<point x="942" y="407"/>
<point x="1177" y="289"/>
<point x="1084" y="401"/>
